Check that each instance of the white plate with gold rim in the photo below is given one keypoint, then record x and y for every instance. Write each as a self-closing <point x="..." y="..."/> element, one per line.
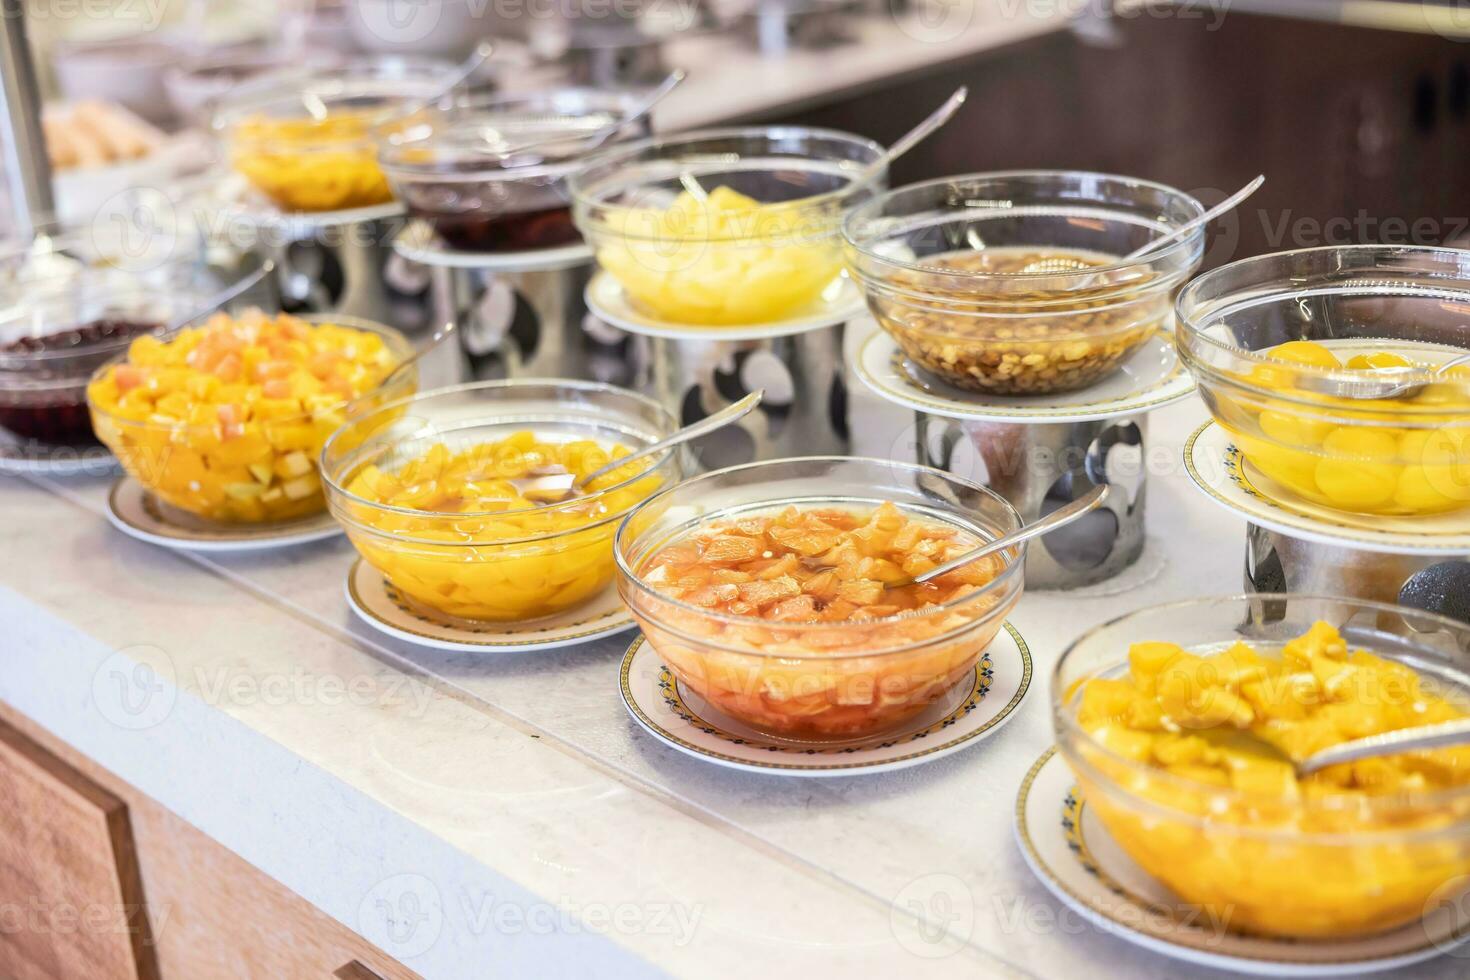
<point x="1151" y="377"/>
<point x="418" y="243"/>
<point x="376" y="602"/>
<point x="840" y="302"/>
<point x="1224" y="474"/>
<point x="1068" y="849"/>
<point x="681" y="719"/>
<point x="139" y="514"/>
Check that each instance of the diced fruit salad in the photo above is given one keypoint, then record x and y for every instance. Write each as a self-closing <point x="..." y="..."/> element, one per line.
<point x="724" y="260"/>
<point x="476" y="545"/>
<point x="225" y="420"/>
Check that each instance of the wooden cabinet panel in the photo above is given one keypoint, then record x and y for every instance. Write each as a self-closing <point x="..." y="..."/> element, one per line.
<point x="69" y="881"/>
<point x="215" y="916"/>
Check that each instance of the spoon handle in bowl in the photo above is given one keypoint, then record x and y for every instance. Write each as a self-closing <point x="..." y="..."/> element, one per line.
<point x="718" y="420"/>
<point x="1416" y="739"/>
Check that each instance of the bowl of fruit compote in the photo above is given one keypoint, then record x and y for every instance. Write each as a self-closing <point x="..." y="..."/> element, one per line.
<point x="224" y="419"/>
<point x="449" y="494"/>
<point x="1333" y="370"/>
<point x="724" y="227"/>
<point x="1182" y="724"/>
<point x="777" y="590"/>
<point x="489" y="173"/>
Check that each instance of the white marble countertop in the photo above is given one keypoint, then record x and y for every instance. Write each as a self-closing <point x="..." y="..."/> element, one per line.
<point x="537" y="829"/>
<point x="729" y="80"/>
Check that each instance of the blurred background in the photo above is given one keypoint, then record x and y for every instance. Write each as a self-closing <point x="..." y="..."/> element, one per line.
<point x="1359" y="112"/>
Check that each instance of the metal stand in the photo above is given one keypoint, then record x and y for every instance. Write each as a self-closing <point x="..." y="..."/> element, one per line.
<point x="1276" y="562"/>
<point x="1038" y="467"/>
<point x="803" y="413"/>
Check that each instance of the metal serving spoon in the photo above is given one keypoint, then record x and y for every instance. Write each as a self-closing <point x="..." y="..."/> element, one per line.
<point x="1416" y="739"/>
<point x="1060" y="517"/>
<point x="1379" y="384"/>
<point x="1062" y="264"/>
<point x="902" y="145"/>
<point x="552" y="488"/>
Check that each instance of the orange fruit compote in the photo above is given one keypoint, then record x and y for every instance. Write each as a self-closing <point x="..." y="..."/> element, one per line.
<point x="804" y="621"/>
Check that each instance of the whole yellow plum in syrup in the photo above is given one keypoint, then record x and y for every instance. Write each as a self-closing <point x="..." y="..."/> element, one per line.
<point x="1401" y="456"/>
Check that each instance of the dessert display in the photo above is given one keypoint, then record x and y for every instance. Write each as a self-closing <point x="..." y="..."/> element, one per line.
<point x="791" y="614"/>
<point x="489" y="174"/>
<point x="225" y="420"/>
<point x="1012" y="284"/>
<point x="441" y="498"/>
<point x="95" y="134"/>
<point x="1185" y="750"/>
<point x="1308" y="412"/>
<point x="309" y="164"/>
<point x="309" y="142"/>
<point x="736" y="227"/>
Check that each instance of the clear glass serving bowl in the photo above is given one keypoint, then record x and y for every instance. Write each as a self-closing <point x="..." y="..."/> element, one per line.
<point x="489" y="173"/>
<point x="308" y="140"/>
<point x="825" y="680"/>
<point x="63" y="314"/>
<point x="957" y="271"/>
<point x="763" y="244"/>
<point x="1323" y="866"/>
<point x="505" y="565"/>
<point x="227" y="474"/>
<point x="1285" y="406"/>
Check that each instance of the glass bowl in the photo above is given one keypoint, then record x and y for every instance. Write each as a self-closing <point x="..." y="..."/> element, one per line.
<point x="1319" y="864"/>
<point x="217" y="462"/>
<point x="489" y="173"/>
<point x="1011" y="283"/>
<point x="508" y="566"/>
<point x="309" y="141"/>
<point x="818" y="680"/>
<point x="63" y="314"/>
<point x="763" y="245"/>
<point x="1284" y="406"/>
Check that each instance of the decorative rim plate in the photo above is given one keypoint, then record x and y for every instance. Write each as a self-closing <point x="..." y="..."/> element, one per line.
<point x="418" y="243"/>
<point x="384" y="608"/>
<point x="1151" y="377"/>
<point x="1220" y="470"/>
<point x="1068" y="849"/>
<point x="840" y="302"/>
<point x="971" y="711"/>
<point x="139" y="514"/>
<point x="19" y="458"/>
